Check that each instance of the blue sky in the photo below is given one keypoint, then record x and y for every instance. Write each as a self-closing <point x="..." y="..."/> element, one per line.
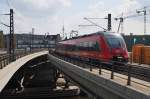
<point x="50" y="15"/>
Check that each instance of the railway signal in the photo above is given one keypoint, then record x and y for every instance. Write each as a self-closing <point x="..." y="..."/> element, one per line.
<point x="109" y="22"/>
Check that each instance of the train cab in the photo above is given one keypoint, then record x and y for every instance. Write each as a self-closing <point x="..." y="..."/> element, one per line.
<point x="117" y="47"/>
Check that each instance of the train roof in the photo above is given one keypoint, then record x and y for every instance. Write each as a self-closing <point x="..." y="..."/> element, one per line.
<point x="92" y="34"/>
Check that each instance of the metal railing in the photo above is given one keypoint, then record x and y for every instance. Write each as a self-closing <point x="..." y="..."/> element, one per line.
<point x="127" y="69"/>
<point x="5" y="59"/>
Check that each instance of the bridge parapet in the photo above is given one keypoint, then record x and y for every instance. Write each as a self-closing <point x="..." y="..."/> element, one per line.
<point x="9" y="70"/>
<point x="99" y="85"/>
<point x="5" y="59"/>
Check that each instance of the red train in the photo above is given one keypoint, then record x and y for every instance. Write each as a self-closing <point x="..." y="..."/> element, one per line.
<point x="99" y="46"/>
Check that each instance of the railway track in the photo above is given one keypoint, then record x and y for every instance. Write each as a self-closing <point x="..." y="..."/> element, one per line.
<point x="136" y="71"/>
<point x="139" y="72"/>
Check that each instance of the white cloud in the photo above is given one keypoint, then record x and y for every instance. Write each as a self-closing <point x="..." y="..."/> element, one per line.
<point x="96" y="9"/>
<point x="44" y="4"/>
<point x="66" y="3"/>
<point x="129" y="5"/>
<point x="41" y="14"/>
<point x="48" y="15"/>
<point x="39" y="3"/>
<point x="40" y="8"/>
<point x="133" y="26"/>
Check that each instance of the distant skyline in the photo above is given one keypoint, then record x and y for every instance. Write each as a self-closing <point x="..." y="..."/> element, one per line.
<point x="50" y="15"/>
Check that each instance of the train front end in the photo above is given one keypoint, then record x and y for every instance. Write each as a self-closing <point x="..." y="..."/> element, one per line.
<point x="117" y="47"/>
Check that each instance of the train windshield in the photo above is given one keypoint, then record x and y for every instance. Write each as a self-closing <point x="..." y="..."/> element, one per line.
<point x="115" y="40"/>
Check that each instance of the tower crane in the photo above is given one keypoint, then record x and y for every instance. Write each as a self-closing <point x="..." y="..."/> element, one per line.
<point x="122" y="18"/>
<point x="121" y="21"/>
<point x="144" y="12"/>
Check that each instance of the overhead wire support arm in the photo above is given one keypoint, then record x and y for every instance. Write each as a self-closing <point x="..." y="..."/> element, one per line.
<point x="4" y="24"/>
<point x="86" y="25"/>
<point x="5" y="14"/>
<point x="95" y="24"/>
<point x="97" y="18"/>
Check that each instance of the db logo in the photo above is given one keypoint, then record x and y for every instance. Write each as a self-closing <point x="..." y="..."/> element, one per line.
<point x="117" y="51"/>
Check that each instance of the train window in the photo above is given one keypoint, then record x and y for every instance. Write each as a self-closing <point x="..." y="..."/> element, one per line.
<point x="93" y="46"/>
<point x="90" y="46"/>
<point x="67" y="48"/>
<point x="97" y="46"/>
<point x="79" y="46"/>
<point x="85" y="44"/>
<point x="115" y="41"/>
<point x="72" y="47"/>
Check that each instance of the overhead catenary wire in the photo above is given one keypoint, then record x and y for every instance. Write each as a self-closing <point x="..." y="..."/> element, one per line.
<point x="8" y="3"/>
<point x="93" y="23"/>
<point x="10" y="6"/>
<point x="16" y="12"/>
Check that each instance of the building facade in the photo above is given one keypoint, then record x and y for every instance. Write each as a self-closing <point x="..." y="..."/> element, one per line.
<point x="30" y="41"/>
<point x="131" y="40"/>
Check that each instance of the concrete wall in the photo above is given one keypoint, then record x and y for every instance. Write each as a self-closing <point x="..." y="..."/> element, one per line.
<point x="95" y="84"/>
